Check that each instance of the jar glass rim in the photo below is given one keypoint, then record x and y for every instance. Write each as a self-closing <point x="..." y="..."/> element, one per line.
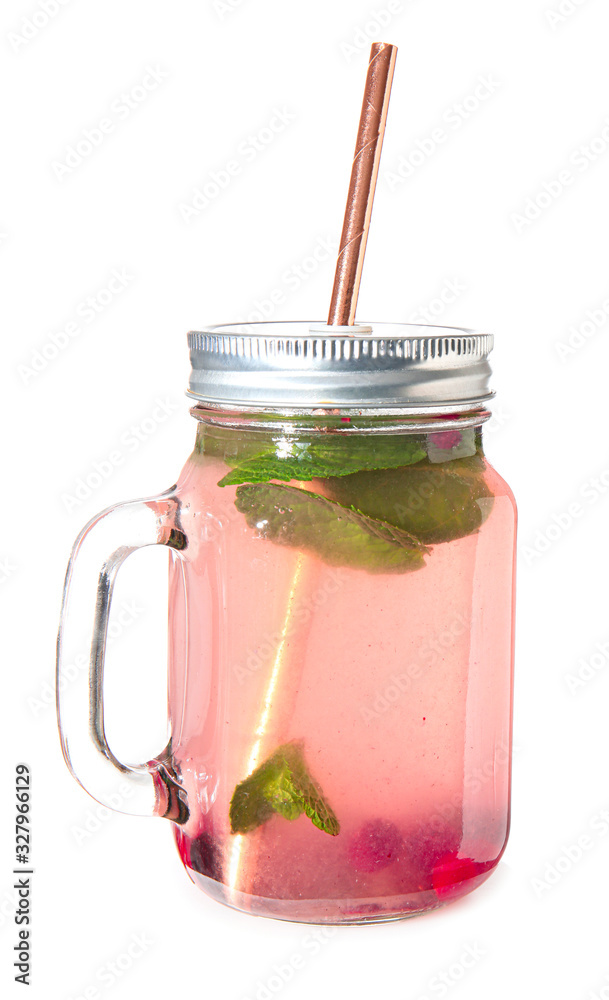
<point x="339" y="421"/>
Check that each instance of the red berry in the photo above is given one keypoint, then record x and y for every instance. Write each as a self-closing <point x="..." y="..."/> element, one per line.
<point x="375" y="846"/>
<point x="426" y="844"/>
<point x="205" y="856"/>
<point x="450" y="872"/>
<point x="446" y="439"/>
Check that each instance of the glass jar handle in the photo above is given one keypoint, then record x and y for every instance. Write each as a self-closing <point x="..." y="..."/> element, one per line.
<point x="150" y="789"/>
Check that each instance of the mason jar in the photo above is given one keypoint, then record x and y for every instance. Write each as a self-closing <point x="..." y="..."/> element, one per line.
<point x="341" y="598"/>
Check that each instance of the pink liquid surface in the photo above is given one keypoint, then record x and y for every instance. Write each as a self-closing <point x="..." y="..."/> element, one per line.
<point x="398" y="684"/>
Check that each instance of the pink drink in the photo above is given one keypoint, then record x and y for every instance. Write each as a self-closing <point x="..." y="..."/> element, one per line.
<point x="340" y="625"/>
<point x="396" y="685"/>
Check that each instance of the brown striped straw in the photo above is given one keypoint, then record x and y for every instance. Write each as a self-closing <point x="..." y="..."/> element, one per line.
<point x="362" y="185"/>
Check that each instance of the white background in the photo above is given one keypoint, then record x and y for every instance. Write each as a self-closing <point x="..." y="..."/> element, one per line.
<point x="222" y="70"/>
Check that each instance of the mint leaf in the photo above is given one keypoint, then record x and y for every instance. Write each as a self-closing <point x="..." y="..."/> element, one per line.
<point x="282" y="785"/>
<point x="437" y="503"/>
<point x="325" y="455"/>
<point x="248" y="808"/>
<point x="310" y="794"/>
<point x="340" y="535"/>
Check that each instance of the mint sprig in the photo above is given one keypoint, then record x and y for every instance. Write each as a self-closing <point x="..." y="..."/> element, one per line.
<point x="340" y="535"/>
<point x="281" y="785"/>
<point x="437" y="503"/>
<point x="323" y="456"/>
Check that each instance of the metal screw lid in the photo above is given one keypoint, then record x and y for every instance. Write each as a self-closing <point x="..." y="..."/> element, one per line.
<point x="375" y="366"/>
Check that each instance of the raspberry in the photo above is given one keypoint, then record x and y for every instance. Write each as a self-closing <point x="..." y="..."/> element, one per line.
<point x="446" y="439"/>
<point x="423" y="846"/>
<point x="426" y="844"/>
<point x="204" y="856"/>
<point x="375" y="846"/>
<point x="450" y="872"/>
